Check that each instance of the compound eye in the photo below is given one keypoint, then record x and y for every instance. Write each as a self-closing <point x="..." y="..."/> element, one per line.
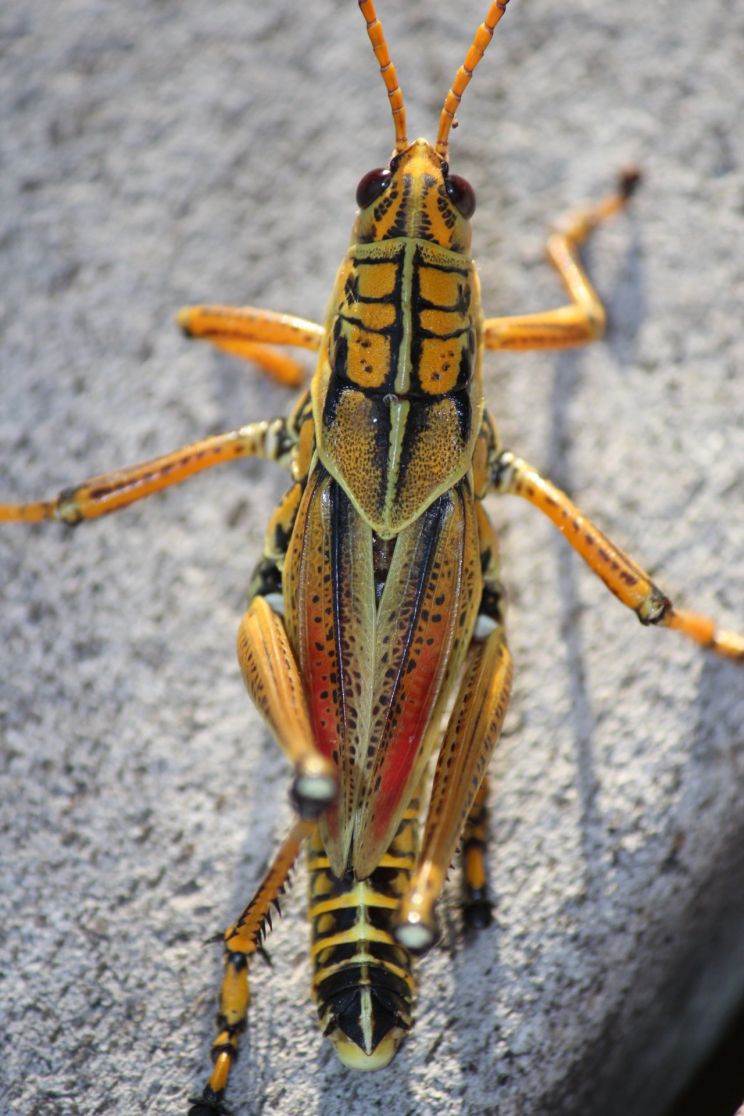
<point x="372" y="185"/>
<point x="461" y="194"/>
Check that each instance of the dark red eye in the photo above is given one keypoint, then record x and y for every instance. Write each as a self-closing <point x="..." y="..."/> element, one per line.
<point x="372" y="185"/>
<point x="461" y="194"/>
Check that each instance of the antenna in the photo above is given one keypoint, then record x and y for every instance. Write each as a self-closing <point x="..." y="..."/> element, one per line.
<point x="387" y="70"/>
<point x="478" y="47"/>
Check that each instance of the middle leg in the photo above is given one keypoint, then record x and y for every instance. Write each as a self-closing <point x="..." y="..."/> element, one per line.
<point x="272" y="440"/>
<point x="627" y="581"/>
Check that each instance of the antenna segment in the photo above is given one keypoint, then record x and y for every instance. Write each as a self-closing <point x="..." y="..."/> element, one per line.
<point x="387" y="70"/>
<point x="480" y="42"/>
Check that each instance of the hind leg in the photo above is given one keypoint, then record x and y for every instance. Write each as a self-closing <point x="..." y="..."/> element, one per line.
<point x="242" y="940"/>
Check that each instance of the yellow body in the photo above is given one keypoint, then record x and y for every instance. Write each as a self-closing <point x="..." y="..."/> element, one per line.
<point x="374" y="639"/>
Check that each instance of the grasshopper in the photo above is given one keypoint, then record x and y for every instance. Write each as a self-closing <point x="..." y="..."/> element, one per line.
<point x="374" y="641"/>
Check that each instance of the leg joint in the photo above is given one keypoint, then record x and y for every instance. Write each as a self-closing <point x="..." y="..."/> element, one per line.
<point x="503" y="471"/>
<point x="223" y="1046"/>
<point x="596" y="320"/>
<point x="653" y="608"/>
<point x="490" y="610"/>
<point x="232" y="1030"/>
<point x="238" y="961"/>
<point x="68" y="510"/>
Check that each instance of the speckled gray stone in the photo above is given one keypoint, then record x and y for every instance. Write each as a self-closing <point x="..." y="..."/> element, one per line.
<point x="161" y="153"/>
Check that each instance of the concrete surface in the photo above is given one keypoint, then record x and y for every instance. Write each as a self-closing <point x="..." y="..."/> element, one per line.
<point x="161" y="153"/>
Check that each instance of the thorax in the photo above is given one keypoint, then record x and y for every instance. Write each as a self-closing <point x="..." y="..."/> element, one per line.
<point x="397" y="393"/>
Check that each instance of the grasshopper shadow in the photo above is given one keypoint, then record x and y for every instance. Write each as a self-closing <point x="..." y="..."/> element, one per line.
<point x="626" y="304"/>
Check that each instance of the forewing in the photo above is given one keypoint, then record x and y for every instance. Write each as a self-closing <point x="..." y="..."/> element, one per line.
<point x="330" y="617"/>
<point x="424" y="624"/>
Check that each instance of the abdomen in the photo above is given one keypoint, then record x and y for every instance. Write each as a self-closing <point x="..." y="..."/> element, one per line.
<point x="362" y="979"/>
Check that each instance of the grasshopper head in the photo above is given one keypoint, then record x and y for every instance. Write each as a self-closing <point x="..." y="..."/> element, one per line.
<point x="416" y="197"/>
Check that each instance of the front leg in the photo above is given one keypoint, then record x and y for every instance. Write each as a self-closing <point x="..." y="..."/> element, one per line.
<point x="253" y="334"/>
<point x="582" y="319"/>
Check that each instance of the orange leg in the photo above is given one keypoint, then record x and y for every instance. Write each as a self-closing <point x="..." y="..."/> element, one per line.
<point x="241" y="941"/>
<point x="250" y="333"/>
<point x="111" y="491"/>
<point x="472" y="732"/>
<point x="583" y="319"/>
<point x="476" y="904"/>
<point x="272" y="678"/>
<point x="630" y="584"/>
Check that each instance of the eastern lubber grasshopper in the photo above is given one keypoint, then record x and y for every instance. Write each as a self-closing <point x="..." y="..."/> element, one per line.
<point x="377" y="523"/>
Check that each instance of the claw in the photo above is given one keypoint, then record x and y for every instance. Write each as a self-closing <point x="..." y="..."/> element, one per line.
<point x="208" y="1104"/>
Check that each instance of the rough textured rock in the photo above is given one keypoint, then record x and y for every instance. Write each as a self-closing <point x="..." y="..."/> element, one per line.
<point x="161" y="153"/>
